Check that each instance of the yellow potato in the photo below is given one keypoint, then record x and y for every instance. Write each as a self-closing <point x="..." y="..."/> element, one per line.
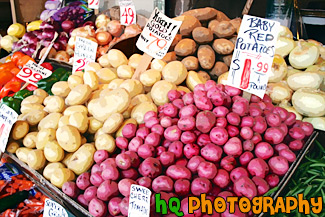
<point x="116" y="83"/>
<point x="94" y="125"/>
<point x="112" y="123"/>
<point x="19" y="130"/>
<point x="28" y="107"/>
<point x="125" y="71"/>
<point x="140" y="110"/>
<point x="194" y="79"/>
<point x="54" y="104"/>
<point x="22" y="154"/>
<point x="103" y="61"/>
<point x="116" y="58"/>
<point x="91" y="79"/>
<point x="160" y="90"/>
<point x="50" y="121"/>
<point x="106" y="75"/>
<point x="134" y="87"/>
<point x="67" y="158"/>
<point x="61" y="176"/>
<point x="30" y="140"/>
<point x="36" y="159"/>
<point x="105" y="142"/>
<point x="49" y="169"/>
<point x="82" y="159"/>
<point x="92" y="67"/>
<point x="32" y="99"/>
<point x="53" y="151"/>
<point x="158" y="64"/>
<point x="76" y="108"/>
<point x="150" y="77"/>
<point x="68" y="138"/>
<point x="279" y="69"/>
<point x="34" y="117"/>
<point x="182" y="88"/>
<point x="41" y="93"/>
<point x="80" y="121"/>
<point x="174" y="72"/>
<point x="78" y="95"/>
<point x="12" y="147"/>
<point x="61" y="88"/>
<point x="74" y="80"/>
<point x="45" y="135"/>
<point x="64" y="120"/>
<point x="79" y="73"/>
<point x="134" y="60"/>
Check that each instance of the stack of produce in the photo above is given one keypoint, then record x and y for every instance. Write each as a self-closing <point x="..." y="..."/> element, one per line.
<point x="205" y="41"/>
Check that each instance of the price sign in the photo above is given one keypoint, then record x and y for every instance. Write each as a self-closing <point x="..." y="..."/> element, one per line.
<point x="139" y="201"/>
<point x="7" y="119"/>
<point x="84" y="53"/>
<point x="253" y="55"/>
<point x="93" y="4"/>
<point x="32" y="73"/>
<point x="53" y="209"/>
<point x="158" y="34"/>
<point x="128" y="14"/>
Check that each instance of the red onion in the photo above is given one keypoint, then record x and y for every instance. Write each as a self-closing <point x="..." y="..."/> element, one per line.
<point x="67" y="25"/>
<point x="48" y="34"/>
<point x="30" y="38"/>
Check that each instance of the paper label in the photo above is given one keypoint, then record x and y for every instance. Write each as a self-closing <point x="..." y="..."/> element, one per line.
<point x="84" y="53"/>
<point x="158" y="34"/>
<point x="93" y="4"/>
<point x="32" y="73"/>
<point x="253" y="55"/>
<point x="139" y="201"/>
<point x="53" y="209"/>
<point x="128" y="14"/>
<point x="7" y="119"/>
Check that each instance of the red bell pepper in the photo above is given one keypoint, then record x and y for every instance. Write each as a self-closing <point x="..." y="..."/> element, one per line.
<point x="8" y="88"/>
<point x="47" y="66"/>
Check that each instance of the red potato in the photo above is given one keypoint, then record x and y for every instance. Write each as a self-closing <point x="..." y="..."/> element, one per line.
<point x="96" y="168"/>
<point x="210" y="84"/>
<point x="121" y="142"/>
<point x="113" y="206"/>
<point x="211" y="152"/>
<point x="124" y="186"/>
<point x="237" y="213"/>
<point x="291" y="119"/>
<point x="143" y="132"/>
<point x="296" y="145"/>
<point x="264" y="150"/>
<point x="233" y="147"/>
<point x="172" y="133"/>
<point x="244" y="186"/>
<point x="178" y="103"/>
<point x="240" y="107"/>
<point x="167" y="158"/>
<point x="283" y="127"/>
<point x="248" y="145"/>
<point x="268" y="108"/>
<point x="218" y="135"/>
<point x="191" y="150"/>
<point x="200" y="186"/>
<point x="96" y="179"/>
<point x="130" y="174"/>
<point x="283" y="113"/>
<point x="173" y="94"/>
<point x="97" y="208"/>
<point x="149" y="115"/>
<point x="297" y="133"/>
<point x="162" y="183"/>
<point x="217" y="97"/>
<point x="202" y="102"/>
<point x="100" y="156"/>
<point x="247" y="121"/>
<point x="129" y="130"/>
<point x="260" y="124"/>
<point x="279" y="165"/>
<point x="246" y="133"/>
<point x="221" y="122"/>
<point x="280" y="146"/>
<point x="273" y="120"/>
<point x="158" y="129"/>
<point x="245" y="158"/>
<point x="166" y="143"/>
<point x="123" y="161"/>
<point x="124" y="206"/>
<point x="181" y="162"/>
<point x="144" y="181"/>
<point x="222" y="178"/>
<point x="186" y="123"/>
<point x="233" y="118"/>
<point x="194" y="162"/>
<point x="83" y="181"/>
<point x="274" y="135"/>
<point x="178" y="172"/>
<point x="90" y="193"/>
<point x="146" y="151"/>
<point x="188" y="111"/>
<point x="258" y="167"/>
<point x="176" y="148"/>
<point x="307" y="128"/>
<point x="205" y="120"/>
<point x="256" y="138"/>
<point x="165" y="121"/>
<point x="175" y="121"/>
<point x="170" y="110"/>
<point x="188" y="137"/>
<point x="255" y="111"/>
<point x="82" y="201"/>
<point x="207" y="170"/>
<point x="185" y="206"/>
<point x="203" y="140"/>
<point x="110" y="173"/>
<point x="188" y="98"/>
<point x="150" y="167"/>
<point x="135" y="161"/>
<point x="182" y="187"/>
<point x="232" y="131"/>
<point x="232" y="91"/>
<point x="220" y="111"/>
<point x="105" y="163"/>
<point x="262" y="185"/>
<point x="70" y="189"/>
<point x="199" y="87"/>
<point x="228" y="163"/>
<point x="238" y="173"/>
<point x="151" y="122"/>
<point x="107" y="189"/>
<point x="135" y="143"/>
<point x="273" y="180"/>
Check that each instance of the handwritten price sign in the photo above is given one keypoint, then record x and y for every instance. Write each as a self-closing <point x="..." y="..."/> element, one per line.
<point x="253" y="55"/>
<point x="85" y="52"/>
<point x="139" y="201"/>
<point x="32" y="73"/>
<point x="128" y="14"/>
<point x="53" y="209"/>
<point x="93" y="4"/>
<point x="7" y="119"/>
<point x="158" y="34"/>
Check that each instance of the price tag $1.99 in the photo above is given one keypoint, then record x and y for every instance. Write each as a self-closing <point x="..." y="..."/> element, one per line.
<point x="32" y="73"/>
<point x="128" y="14"/>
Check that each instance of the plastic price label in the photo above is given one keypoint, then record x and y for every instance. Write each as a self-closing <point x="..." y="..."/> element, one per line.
<point x="128" y="14"/>
<point x="7" y="119"/>
<point x="32" y="73"/>
<point x="85" y="52"/>
<point x="139" y="201"/>
<point x="158" y="34"/>
<point x="253" y="55"/>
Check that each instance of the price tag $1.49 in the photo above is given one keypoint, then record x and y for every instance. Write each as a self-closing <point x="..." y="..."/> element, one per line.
<point x="32" y="73"/>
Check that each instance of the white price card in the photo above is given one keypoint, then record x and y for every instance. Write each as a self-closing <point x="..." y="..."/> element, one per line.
<point x="93" y="4"/>
<point x="32" y="73"/>
<point x="84" y="53"/>
<point x="253" y="55"/>
<point x="128" y="14"/>
<point x="53" y="209"/>
<point x="139" y="201"/>
<point x="7" y="119"/>
<point x="158" y="34"/>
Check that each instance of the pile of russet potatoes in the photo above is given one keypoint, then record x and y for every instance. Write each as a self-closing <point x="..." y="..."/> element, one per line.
<point x="174" y="131"/>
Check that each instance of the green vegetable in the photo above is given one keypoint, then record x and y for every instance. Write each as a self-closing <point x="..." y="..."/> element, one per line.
<point x="47" y="83"/>
<point x="65" y="76"/>
<point x="22" y="94"/>
<point x="11" y="201"/>
<point x="12" y="103"/>
<point x="58" y="73"/>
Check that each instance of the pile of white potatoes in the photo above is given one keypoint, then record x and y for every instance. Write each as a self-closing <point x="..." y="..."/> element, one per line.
<point x="59" y="134"/>
<point x="298" y="87"/>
